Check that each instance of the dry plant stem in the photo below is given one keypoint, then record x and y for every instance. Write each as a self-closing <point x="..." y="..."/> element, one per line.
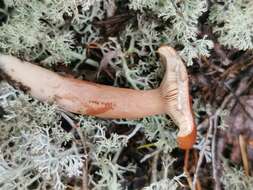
<point x="83" y="97"/>
<point x="154" y="168"/>
<point x="201" y="155"/>
<point x="222" y="54"/>
<point x="186" y="164"/>
<point x="195" y="156"/>
<point x="214" y="159"/>
<point x="152" y="154"/>
<point x="243" y="148"/>
<point x="198" y="185"/>
<point x="131" y="135"/>
<point x="85" y="183"/>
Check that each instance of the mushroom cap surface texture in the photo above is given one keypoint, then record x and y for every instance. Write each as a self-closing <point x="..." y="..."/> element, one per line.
<point x="175" y="92"/>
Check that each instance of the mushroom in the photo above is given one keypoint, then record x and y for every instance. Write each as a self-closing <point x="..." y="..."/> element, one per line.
<point x="83" y="97"/>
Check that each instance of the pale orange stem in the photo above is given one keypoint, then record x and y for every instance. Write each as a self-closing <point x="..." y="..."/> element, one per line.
<point x="106" y="101"/>
<point x="83" y="97"/>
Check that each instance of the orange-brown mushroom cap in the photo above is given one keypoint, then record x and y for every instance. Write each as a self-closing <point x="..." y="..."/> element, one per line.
<point x="175" y="92"/>
<point x="187" y="142"/>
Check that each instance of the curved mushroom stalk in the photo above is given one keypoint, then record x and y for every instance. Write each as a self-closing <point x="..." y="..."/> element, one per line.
<point x="80" y="96"/>
<point x="83" y="97"/>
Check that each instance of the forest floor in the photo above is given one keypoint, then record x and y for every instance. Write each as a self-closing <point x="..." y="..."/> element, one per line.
<point x="224" y="81"/>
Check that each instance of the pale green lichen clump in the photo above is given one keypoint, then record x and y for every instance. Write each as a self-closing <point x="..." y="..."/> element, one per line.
<point x="234" y="178"/>
<point x="233" y="23"/>
<point x="31" y="144"/>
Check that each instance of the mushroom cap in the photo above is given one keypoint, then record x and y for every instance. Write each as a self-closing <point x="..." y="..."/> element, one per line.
<point x="187" y="142"/>
<point x="175" y="92"/>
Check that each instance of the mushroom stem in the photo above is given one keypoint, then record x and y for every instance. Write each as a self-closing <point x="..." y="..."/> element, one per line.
<point x="83" y="97"/>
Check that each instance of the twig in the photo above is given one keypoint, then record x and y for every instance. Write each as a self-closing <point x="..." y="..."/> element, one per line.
<point x="203" y="124"/>
<point x="68" y="119"/>
<point x="195" y="156"/>
<point x="198" y="185"/>
<point x="4" y="11"/>
<point x="214" y="164"/>
<point x="219" y="51"/>
<point x="147" y="156"/>
<point x="154" y="169"/>
<point x="202" y="154"/>
<point x="132" y="134"/>
<point x="243" y="148"/>
<point x="85" y="168"/>
<point x="186" y="164"/>
<point x="215" y="67"/>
